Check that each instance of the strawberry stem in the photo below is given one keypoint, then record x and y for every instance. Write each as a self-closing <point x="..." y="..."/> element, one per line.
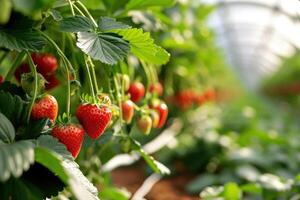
<point x="90" y="79"/>
<point x="3" y="56"/>
<point x="68" y="67"/>
<point x="71" y="7"/>
<point x="33" y="70"/>
<point x="148" y="74"/>
<point x="119" y="99"/>
<point x="91" y="64"/>
<point x="68" y="106"/>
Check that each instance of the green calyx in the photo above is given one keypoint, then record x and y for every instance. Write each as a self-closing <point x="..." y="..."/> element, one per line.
<point x="28" y="83"/>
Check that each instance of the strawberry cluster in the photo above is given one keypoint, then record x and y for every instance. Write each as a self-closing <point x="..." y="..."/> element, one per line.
<point x="94" y="114"/>
<point x="153" y="111"/>
<point x="185" y="99"/>
<point x="46" y="65"/>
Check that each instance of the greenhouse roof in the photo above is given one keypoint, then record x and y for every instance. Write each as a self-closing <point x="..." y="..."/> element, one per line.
<point x="256" y="34"/>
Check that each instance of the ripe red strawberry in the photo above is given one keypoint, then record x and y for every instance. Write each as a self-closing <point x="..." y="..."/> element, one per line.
<point x="144" y="124"/>
<point x="70" y="135"/>
<point x="162" y="109"/>
<point x="1" y="79"/>
<point x="156" y="88"/>
<point x="24" y="68"/>
<point x="46" y="63"/>
<point x="52" y="82"/>
<point x="136" y="91"/>
<point x="46" y="107"/>
<point x="210" y="95"/>
<point x="94" y="119"/>
<point x="199" y="99"/>
<point x="184" y="99"/>
<point x="155" y="118"/>
<point x="127" y="111"/>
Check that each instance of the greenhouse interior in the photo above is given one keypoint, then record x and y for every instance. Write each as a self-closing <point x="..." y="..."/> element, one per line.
<point x="149" y="100"/>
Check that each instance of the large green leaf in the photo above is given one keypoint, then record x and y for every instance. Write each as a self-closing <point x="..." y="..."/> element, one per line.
<point x="19" y="35"/>
<point x="15" y="158"/>
<point x="141" y="4"/>
<point x="143" y="47"/>
<point x="76" y="24"/>
<point x="55" y="156"/>
<point x="155" y="165"/>
<point x="14" y="108"/>
<point x="106" y="47"/>
<point x="7" y="131"/>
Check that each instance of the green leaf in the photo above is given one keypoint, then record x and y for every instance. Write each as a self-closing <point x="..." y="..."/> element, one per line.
<point x="7" y="131"/>
<point x="15" y="158"/>
<point x="71" y="174"/>
<point x="14" y="108"/>
<point x="34" y="129"/>
<point x="155" y="165"/>
<point x="201" y="182"/>
<point x="20" y="35"/>
<point x="29" y="6"/>
<point x="142" y="4"/>
<point x="52" y="161"/>
<point x="143" y="47"/>
<point x="108" y="24"/>
<point x="252" y="188"/>
<point x="76" y="24"/>
<point x="232" y="192"/>
<point x="19" y="189"/>
<point x="107" y="48"/>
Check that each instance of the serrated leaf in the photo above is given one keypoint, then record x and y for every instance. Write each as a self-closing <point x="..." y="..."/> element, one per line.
<point x="15" y="158"/>
<point x="72" y="176"/>
<point x="53" y="144"/>
<point x="107" y="24"/>
<point x="141" y="4"/>
<point x="107" y="48"/>
<point x="21" y="38"/>
<point x="155" y="165"/>
<point x="14" y="108"/>
<point x="143" y="47"/>
<point x="76" y="24"/>
<point x="7" y="131"/>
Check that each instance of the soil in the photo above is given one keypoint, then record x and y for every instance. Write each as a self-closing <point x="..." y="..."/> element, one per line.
<point x="171" y="188"/>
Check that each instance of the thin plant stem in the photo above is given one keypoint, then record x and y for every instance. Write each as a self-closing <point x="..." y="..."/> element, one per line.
<point x="68" y="106"/>
<point x="90" y="79"/>
<point x="71" y="7"/>
<point x="93" y="73"/>
<point x="33" y="70"/>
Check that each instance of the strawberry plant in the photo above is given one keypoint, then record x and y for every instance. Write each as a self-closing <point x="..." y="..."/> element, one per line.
<point x="67" y="73"/>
